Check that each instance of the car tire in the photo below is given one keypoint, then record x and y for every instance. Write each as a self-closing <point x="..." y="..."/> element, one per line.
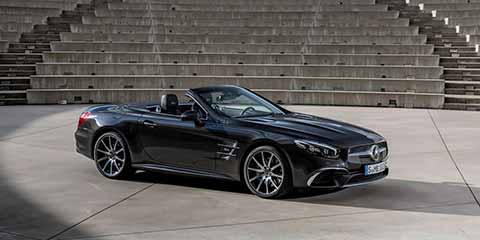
<point x="112" y="157"/>
<point x="267" y="173"/>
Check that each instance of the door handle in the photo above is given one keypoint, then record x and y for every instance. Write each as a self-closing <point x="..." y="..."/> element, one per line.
<point x="149" y="123"/>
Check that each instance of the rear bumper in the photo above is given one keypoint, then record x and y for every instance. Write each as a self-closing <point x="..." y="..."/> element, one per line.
<point x="341" y="177"/>
<point x="83" y="143"/>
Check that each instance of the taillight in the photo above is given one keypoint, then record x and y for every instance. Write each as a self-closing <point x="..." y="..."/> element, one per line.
<point x="83" y="117"/>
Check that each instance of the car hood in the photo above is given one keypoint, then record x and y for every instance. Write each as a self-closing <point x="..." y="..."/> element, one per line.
<point x="316" y="128"/>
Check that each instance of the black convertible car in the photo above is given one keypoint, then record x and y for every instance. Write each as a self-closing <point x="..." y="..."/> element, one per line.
<point x="232" y="133"/>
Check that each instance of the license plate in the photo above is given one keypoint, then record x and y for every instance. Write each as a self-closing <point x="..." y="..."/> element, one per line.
<point x="375" y="168"/>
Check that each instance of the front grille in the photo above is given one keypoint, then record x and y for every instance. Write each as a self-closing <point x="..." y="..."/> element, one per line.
<point x="361" y="154"/>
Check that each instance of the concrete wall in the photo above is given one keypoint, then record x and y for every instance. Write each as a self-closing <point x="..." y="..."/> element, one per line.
<point x="420" y="49"/>
<point x="210" y="38"/>
<point x="331" y="52"/>
<point x="3" y="46"/>
<point x="37" y="96"/>
<point x="419" y="72"/>
<point x="268" y="82"/>
<point x="241" y="58"/>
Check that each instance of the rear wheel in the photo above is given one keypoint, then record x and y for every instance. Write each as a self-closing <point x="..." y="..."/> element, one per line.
<point x="267" y="173"/>
<point x="111" y="156"/>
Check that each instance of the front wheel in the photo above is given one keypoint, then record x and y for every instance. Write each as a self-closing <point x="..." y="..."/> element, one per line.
<point x="267" y="173"/>
<point x="111" y="156"/>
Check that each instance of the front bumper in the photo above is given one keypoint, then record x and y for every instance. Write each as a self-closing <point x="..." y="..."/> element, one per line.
<point x="341" y="177"/>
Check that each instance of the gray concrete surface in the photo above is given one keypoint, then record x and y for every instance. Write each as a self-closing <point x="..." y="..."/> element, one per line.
<point x="239" y="38"/>
<point x="267" y="82"/>
<point x="259" y="21"/>
<point x="422" y="49"/>
<point x="242" y="58"/>
<point x="50" y="192"/>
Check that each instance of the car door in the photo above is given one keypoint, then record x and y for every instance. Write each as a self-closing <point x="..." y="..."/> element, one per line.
<point x="170" y="141"/>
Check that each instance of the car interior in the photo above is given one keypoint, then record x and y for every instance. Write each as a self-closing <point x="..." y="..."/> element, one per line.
<point x="169" y="104"/>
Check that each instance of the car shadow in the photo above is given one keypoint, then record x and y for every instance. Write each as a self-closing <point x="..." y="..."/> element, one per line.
<point x="389" y="194"/>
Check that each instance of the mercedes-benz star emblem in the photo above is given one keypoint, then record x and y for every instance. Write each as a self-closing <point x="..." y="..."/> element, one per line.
<point x="375" y="153"/>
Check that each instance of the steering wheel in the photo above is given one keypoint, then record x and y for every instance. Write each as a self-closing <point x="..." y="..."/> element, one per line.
<point x="247" y="110"/>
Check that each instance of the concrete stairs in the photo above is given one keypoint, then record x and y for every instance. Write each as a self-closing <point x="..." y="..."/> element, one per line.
<point x="17" y="62"/>
<point x="458" y="54"/>
<point x="330" y="52"/>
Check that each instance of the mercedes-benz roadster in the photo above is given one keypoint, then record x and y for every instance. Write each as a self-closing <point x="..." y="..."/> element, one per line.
<point x="231" y="133"/>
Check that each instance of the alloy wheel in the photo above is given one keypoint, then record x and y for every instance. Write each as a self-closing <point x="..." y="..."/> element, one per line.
<point x="264" y="172"/>
<point x="110" y="155"/>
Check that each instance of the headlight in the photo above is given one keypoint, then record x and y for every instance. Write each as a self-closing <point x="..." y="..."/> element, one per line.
<point x="321" y="149"/>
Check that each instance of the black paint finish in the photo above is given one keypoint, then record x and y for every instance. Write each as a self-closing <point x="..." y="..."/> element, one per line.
<point x="217" y="146"/>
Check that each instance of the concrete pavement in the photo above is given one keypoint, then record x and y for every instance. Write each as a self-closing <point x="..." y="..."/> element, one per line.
<point x="50" y="192"/>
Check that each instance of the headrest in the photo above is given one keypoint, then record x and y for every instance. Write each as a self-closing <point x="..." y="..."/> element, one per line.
<point x="169" y="103"/>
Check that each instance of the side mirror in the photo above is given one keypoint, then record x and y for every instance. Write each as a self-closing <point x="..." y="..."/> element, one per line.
<point x="191" y="116"/>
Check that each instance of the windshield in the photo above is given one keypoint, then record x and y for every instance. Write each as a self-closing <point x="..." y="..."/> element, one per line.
<point x="237" y="102"/>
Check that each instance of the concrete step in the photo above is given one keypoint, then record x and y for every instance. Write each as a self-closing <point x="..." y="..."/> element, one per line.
<point x="10" y="36"/>
<point x="234" y="2"/>
<point x="451" y="6"/>
<point x="13" y="97"/>
<point x="13" y="87"/>
<point x="266" y="82"/>
<point x="449" y="41"/>
<point x="16" y="70"/>
<point x="3" y="46"/>
<point x="15" y="27"/>
<point x="466" y="85"/>
<point x="77" y="13"/>
<point x="30" y="11"/>
<point x="462" y="91"/>
<point x="20" y="58"/>
<point x="15" y="80"/>
<point x="32" y="19"/>
<point x="468" y="64"/>
<point x="226" y="30"/>
<point x="471" y="30"/>
<point x="51" y="28"/>
<point x="416" y="2"/>
<point x="40" y="4"/>
<point x="462" y="106"/>
<point x="465" y="51"/>
<point x="241" y="38"/>
<point x="39" y="38"/>
<point x="414" y="72"/>
<point x="462" y="71"/>
<point x="250" y="22"/>
<point x="463" y="21"/>
<point x="239" y="15"/>
<point x="64" y="20"/>
<point x="241" y="58"/>
<point x="460" y="13"/>
<point x="419" y="49"/>
<point x="28" y="47"/>
<point x="349" y="98"/>
<point x="299" y="6"/>
<point x="462" y="101"/>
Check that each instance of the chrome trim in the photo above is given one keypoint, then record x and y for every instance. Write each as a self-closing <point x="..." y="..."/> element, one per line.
<point x="229" y="146"/>
<point x="321" y="170"/>
<point x="364" y="183"/>
<point x="368" y="144"/>
<point x="229" y="150"/>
